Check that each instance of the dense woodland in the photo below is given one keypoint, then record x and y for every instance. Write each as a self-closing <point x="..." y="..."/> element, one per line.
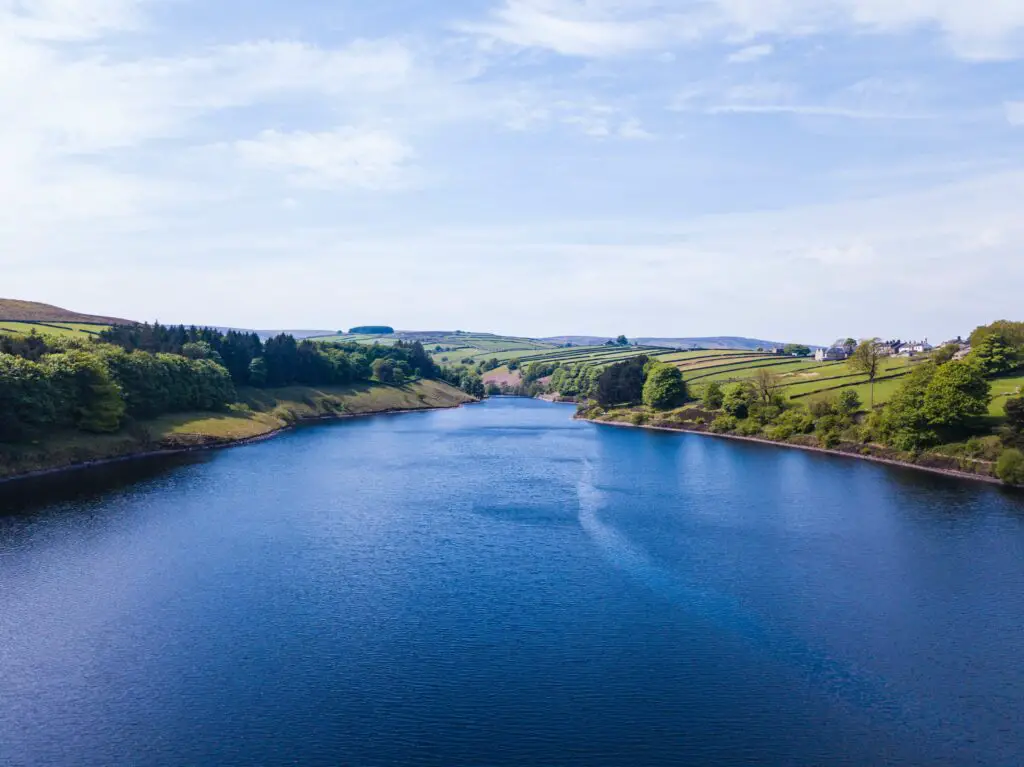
<point x="49" y="384"/>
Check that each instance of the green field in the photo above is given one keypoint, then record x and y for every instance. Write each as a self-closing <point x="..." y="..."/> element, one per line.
<point x="64" y="329"/>
<point x="1003" y="389"/>
<point x="802" y="378"/>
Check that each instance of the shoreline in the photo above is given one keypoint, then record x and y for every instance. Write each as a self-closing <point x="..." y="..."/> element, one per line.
<point x="215" y="443"/>
<point x="952" y="473"/>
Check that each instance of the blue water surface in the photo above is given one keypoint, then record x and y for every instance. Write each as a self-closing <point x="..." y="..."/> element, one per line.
<point x="502" y="585"/>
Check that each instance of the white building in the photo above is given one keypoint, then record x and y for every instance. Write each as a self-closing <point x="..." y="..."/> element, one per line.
<point x="910" y="348"/>
<point x="832" y="354"/>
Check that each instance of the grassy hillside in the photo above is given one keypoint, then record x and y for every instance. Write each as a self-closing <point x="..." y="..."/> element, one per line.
<point x="30" y="311"/>
<point x="802" y="379"/>
<point x="64" y="329"/>
<point x="260" y="412"/>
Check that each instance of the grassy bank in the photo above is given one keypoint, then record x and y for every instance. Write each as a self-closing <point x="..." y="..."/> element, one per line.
<point x="259" y="413"/>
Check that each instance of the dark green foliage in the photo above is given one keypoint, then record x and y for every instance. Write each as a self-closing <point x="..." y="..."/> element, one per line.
<point x="737" y="399"/>
<point x="957" y="391"/>
<point x="622" y="341"/>
<point x="27" y="398"/>
<point x="144" y="371"/>
<point x="30" y="347"/>
<point x="934" y="402"/>
<point x="372" y="330"/>
<point x="285" y="361"/>
<point x="1012" y="333"/>
<point x="201" y="350"/>
<point x="664" y="388"/>
<point x="575" y="380"/>
<point x="798" y="350"/>
<point x="1010" y="467"/>
<point x="903" y="423"/>
<point x="994" y="355"/>
<point x="713" y="396"/>
<point x="820" y="408"/>
<point x="791" y="423"/>
<point x="1015" y="414"/>
<point x="87" y="396"/>
<point x="724" y="424"/>
<point x="945" y="354"/>
<point x="622" y="383"/>
<point x="848" y="402"/>
<point x="384" y="370"/>
<point x="472" y="384"/>
<point x="258" y="372"/>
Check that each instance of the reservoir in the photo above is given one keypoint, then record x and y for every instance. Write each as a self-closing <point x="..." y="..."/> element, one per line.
<point x="503" y="585"/>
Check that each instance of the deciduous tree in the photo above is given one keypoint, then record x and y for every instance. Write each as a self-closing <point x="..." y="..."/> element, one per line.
<point x="867" y="359"/>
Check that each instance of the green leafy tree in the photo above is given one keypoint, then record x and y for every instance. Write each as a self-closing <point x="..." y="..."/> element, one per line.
<point x="201" y="350"/>
<point x="89" y="393"/>
<point x="622" y="341"/>
<point x="258" y="372"/>
<point x="945" y="354"/>
<point x="1010" y="467"/>
<point x="867" y="359"/>
<point x="622" y="383"/>
<point x="903" y="423"/>
<point x="472" y="384"/>
<point x="956" y="392"/>
<point x="664" y="388"/>
<point x="848" y="402"/>
<point x="1014" y="409"/>
<point x="767" y="386"/>
<point x="1012" y="333"/>
<point x="737" y="399"/>
<point x="713" y="396"/>
<point x="994" y="355"/>
<point x="384" y="370"/>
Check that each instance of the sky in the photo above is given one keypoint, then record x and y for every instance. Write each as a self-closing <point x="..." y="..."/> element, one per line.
<point x="785" y="169"/>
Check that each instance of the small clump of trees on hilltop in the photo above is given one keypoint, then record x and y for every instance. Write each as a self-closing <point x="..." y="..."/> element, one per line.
<point x="49" y="384"/>
<point x="939" y="409"/>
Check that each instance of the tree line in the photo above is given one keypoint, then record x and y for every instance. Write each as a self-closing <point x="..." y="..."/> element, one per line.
<point x="281" y="360"/>
<point x="49" y="384"/>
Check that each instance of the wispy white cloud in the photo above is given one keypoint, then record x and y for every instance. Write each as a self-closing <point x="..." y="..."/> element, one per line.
<point x="572" y="28"/>
<point x="69" y="20"/>
<point x="864" y="100"/>
<point x="615" y="28"/>
<point x="1015" y="112"/>
<point x="343" y="158"/>
<point x="751" y="53"/>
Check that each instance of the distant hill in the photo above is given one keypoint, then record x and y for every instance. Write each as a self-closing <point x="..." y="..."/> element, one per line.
<point x="708" y="342"/>
<point x="12" y="310"/>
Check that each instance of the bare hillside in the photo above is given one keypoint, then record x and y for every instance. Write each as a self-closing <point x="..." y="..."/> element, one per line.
<point x="13" y="310"/>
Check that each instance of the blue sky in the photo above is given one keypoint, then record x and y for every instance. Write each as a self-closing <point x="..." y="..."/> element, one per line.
<point x="788" y="169"/>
